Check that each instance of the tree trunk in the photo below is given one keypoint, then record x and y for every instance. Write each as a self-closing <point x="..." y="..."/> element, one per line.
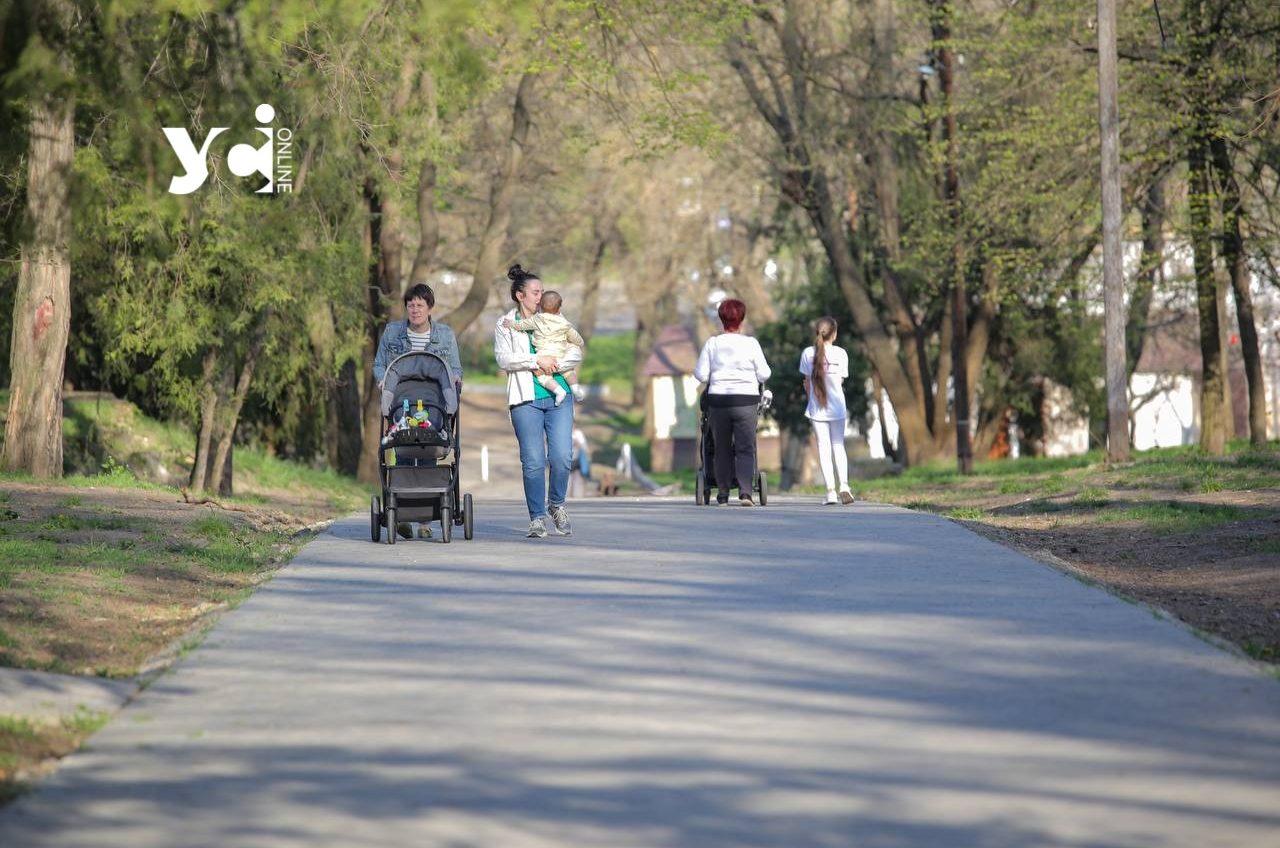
<point x="208" y="474"/>
<point x="980" y="337"/>
<point x="1224" y="348"/>
<point x="428" y="220"/>
<point x="42" y="302"/>
<point x="1212" y="418"/>
<point x="501" y="196"/>
<point x="391" y="247"/>
<point x="371" y="416"/>
<point x="1150" y="274"/>
<point x="208" y="408"/>
<point x="221" y="470"/>
<point x="1237" y="266"/>
<point x="951" y="194"/>
<point x="808" y="186"/>
<point x="344" y="412"/>
<point x="428" y="224"/>
<point x="604" y="232"/>
<point x="1114" y="319"/>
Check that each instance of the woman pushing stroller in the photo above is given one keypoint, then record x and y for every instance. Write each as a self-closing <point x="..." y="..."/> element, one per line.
<point x="417" y="332"/>
<point x="733" y="366"/>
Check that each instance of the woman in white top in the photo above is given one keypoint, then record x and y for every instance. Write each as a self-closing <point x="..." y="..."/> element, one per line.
<point x="825" y="367"/>
<point x="733" y="367"/>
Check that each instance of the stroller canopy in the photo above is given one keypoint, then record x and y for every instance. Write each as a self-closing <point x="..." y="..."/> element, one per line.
<point x="416" y="372"/>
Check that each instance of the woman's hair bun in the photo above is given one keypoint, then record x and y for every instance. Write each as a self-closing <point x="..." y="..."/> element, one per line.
<point x="515" y="273"/>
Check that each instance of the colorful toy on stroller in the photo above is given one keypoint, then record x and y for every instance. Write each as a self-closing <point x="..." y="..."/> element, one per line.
<point x="421" y="434"/>
<point x="706" y="477"/>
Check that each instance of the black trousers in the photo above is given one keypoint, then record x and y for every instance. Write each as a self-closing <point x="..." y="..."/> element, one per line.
<point x="734" y="430"/>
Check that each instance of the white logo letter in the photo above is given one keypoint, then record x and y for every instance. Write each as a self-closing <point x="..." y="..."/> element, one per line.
<point x="195" y="162"/>
<point x="245" y="159"/>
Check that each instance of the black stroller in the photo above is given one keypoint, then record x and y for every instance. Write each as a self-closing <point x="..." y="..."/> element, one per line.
<point x="706" y="457"/>
<point x="420" y="424"/>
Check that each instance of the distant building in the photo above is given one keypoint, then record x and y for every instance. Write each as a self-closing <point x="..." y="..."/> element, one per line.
<point x="671" y="409"/>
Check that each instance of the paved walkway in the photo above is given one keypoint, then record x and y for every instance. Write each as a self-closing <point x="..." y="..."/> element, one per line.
<point x="680" y="676"/>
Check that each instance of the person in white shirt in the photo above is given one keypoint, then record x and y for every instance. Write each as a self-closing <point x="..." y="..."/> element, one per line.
<point x="825" y="368"/>
<point x="733" y="367"/>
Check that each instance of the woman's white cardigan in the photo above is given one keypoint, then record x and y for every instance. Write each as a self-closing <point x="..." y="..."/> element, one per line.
<point x="511" y="350"/>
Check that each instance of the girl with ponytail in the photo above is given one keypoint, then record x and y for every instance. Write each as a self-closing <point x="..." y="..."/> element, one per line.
<point x="825" y="368"/>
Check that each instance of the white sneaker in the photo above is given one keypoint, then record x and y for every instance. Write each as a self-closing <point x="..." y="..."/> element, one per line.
<point x="537" y="529"/>
<point x="846" y="496"/>
<point x="560" y="519"/>
<point x="831" y="498"/>
<point x="579" y="393"/>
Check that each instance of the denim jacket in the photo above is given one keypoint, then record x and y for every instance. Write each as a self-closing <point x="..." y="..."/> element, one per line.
<point x="395" y="341"/>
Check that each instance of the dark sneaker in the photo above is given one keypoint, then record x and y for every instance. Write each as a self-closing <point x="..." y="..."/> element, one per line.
<point x="560" y="518"/>
<point x="537" y="529"/>
<point x="405" y="529"/>
<point x="745" y="500"/>
<point x="846" y="496"/>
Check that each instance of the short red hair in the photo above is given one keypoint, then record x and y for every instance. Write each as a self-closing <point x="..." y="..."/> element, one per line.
<point x="731" y="314"/>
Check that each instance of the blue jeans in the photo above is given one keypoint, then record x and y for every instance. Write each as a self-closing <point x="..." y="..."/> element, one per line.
<point x="545" y="434"/>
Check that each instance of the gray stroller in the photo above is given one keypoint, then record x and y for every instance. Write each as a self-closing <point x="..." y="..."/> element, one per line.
<point x="421" y="431"/>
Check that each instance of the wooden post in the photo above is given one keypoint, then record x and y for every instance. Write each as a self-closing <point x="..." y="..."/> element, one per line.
<point x="1112" y="258"/>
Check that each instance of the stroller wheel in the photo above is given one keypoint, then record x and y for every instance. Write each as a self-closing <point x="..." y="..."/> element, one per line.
<point x="391" y="525"/>
<point x="762" y="486"/>
<point x="446" y="525"/>
<point x="375" y="518"/>
<point x="468" y="519"/>
<point x="699" y="490"/>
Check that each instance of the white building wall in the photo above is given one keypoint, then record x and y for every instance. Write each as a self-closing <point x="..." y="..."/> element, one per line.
<point x="1167" y="415"/>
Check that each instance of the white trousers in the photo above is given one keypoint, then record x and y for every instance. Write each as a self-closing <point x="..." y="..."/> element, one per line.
<point x="831" y="449"/>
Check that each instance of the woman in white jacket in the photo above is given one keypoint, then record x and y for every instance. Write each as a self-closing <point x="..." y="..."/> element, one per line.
<point x="733" y="366"/>
<point x="543" y="430"/>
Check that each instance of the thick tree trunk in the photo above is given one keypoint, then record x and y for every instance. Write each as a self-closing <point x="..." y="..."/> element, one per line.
<point x="371" y="416"/>
<point x="428" y="220"/>
<point x="604" y="232"/>
<point x="42" y="303"/>
<point x="1212" y="414"/>
<point x="344" y="412"/>
<point x="428" y="224"/>
<point x="208" y="408"/>
<point x="1234" y="256"/>
<point x="916" y="443"/>
<point x="488" y="275"/>
<point x="1224" y="350"/>
<point x="808" y="186"/>
<point x="980" y="338"/>
<point x="221" y="469"/>
<point x="941" y="15"/>
<point x="207" y="474"/>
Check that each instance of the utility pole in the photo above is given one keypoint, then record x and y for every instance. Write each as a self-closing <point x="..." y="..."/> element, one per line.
<point x="1112" y="258"/>
<point x="941" y="26"/>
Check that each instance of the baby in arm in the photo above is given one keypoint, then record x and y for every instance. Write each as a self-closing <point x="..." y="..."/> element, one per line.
<point x="552" y="335"/>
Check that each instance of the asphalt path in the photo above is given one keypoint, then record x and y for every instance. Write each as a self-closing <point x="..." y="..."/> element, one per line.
<point x="674" y="675"/>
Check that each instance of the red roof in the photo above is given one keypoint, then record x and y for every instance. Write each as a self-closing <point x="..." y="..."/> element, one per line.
<point x="675" y="352"/>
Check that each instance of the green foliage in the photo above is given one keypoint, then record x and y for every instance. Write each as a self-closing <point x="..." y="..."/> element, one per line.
<point x="609" y="359"/>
